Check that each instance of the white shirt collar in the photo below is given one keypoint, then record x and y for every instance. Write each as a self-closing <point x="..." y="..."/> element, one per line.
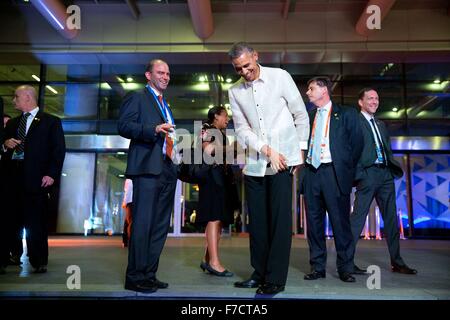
<point x="326" y="107"/>
<point x="33" y="112"/>
<point x="367" y="116"/>
<point x="157" y="93"/>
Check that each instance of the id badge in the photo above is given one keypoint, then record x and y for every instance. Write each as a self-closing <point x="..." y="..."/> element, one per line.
<point x="17" y="155"/>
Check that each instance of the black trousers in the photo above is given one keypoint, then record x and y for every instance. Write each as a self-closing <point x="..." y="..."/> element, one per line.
<point x="322" y="194"/>
<point x="153" y="198"/>
<point x="27" y="210"/>
<point x="378" y="184"/>
<point x="270" y="225"/>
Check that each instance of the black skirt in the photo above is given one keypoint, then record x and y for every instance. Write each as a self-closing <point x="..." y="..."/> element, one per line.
<point x="218" y="197"/>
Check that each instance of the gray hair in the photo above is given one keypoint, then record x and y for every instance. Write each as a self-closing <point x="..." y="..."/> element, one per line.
<point x="238" y="49"/>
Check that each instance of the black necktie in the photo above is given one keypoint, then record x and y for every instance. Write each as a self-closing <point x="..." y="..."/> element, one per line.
<point x="379" y="141"/>
<point x="22" y="132"/>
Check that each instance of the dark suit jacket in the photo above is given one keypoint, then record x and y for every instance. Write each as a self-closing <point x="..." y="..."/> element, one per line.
<point x="45" y="149"/>
<point x="138" y="118"/>
<point x="346" y="143"/>
<point x="369" y="154"/>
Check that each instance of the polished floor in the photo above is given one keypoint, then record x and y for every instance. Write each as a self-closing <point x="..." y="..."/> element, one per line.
<point x="102" y="262"/>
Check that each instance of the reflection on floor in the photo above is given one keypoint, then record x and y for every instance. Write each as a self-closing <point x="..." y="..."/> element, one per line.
<point x="102" y="262"/>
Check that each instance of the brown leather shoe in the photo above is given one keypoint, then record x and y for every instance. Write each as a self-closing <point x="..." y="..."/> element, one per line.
<point x="403" y="269"/>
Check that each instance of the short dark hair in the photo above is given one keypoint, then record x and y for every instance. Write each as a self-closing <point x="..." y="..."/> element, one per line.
<point x="149" y="66"/>
<point x="5" y="115"/>
<point x="363" y="91"/>
<point x="322" y="82"/>
<point x="238" y="49"/>
<point x="217" y="110"/>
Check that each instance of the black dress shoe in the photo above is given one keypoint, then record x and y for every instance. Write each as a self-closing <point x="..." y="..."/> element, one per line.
<point x="145" y="287"/>
<point x="403" y="269"/>
<point x="40" y="269"/>
<point x="160" y="284"/>
<point x="250" y="283"/>
<point x="270" y="288"/>
<point x="2" y="270"/>
<point x="357" y="270"/>
<point x="346" y="277"/>
<point x="315" y="275"/>
<point x="213" y="271"/>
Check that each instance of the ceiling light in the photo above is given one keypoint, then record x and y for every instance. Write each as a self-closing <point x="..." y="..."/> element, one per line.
<point x="51" y="89"/>
<point x="35" y="77"/>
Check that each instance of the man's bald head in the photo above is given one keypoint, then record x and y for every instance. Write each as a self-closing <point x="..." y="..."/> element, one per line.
<point x="25" y="98"/>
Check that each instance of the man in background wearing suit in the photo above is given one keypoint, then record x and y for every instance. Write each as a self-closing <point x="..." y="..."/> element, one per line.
<point x="271" y="121"/>
<point x="146" y="119"/>
<point x="375" y="175"/>
<point x="335" y="146"/>
<point x="34" y="160"/>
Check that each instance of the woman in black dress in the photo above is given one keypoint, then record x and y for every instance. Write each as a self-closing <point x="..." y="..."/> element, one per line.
<point x="218" y="192"/>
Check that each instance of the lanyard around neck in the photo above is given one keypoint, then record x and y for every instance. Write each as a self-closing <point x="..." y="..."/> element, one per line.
<point x="163" y="108"/>
<point x="326" y="127"/>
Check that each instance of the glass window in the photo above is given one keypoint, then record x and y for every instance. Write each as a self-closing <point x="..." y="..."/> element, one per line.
<point x="109" y="192"/>
<point x="75" y="199"/>
<point x="23" y="73"/>
<point x="427" y="72"/>
<point x="372" y="71"/>
<point x="73" y="73"/>
<point x="72" y="100"/>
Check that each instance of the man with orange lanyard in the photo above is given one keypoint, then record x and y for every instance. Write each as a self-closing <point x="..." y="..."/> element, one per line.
<point x="145" y="118"/>
<point x="334" y="148"/>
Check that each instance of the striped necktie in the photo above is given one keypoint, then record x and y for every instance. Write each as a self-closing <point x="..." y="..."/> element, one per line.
<point x="378" y="144"/>
<point x="22" y="132"/>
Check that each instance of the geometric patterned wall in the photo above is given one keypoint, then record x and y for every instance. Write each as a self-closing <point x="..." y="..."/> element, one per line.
<point x="430" y="190"/>
<point x="401" y="194"/>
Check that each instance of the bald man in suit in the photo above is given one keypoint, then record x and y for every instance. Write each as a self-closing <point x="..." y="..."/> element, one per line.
<point x="33" y="160"/>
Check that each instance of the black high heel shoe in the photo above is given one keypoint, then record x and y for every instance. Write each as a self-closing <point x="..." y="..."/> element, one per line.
<point x="203" y="265"/>
<point x="213" y="271"/>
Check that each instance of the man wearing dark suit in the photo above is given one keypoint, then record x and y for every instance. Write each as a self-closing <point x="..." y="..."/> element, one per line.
<point x="375" y="175"/>
<point x="334" y="148"/>
<point x="146" y="119"/>
<point x="34" y="159"/>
